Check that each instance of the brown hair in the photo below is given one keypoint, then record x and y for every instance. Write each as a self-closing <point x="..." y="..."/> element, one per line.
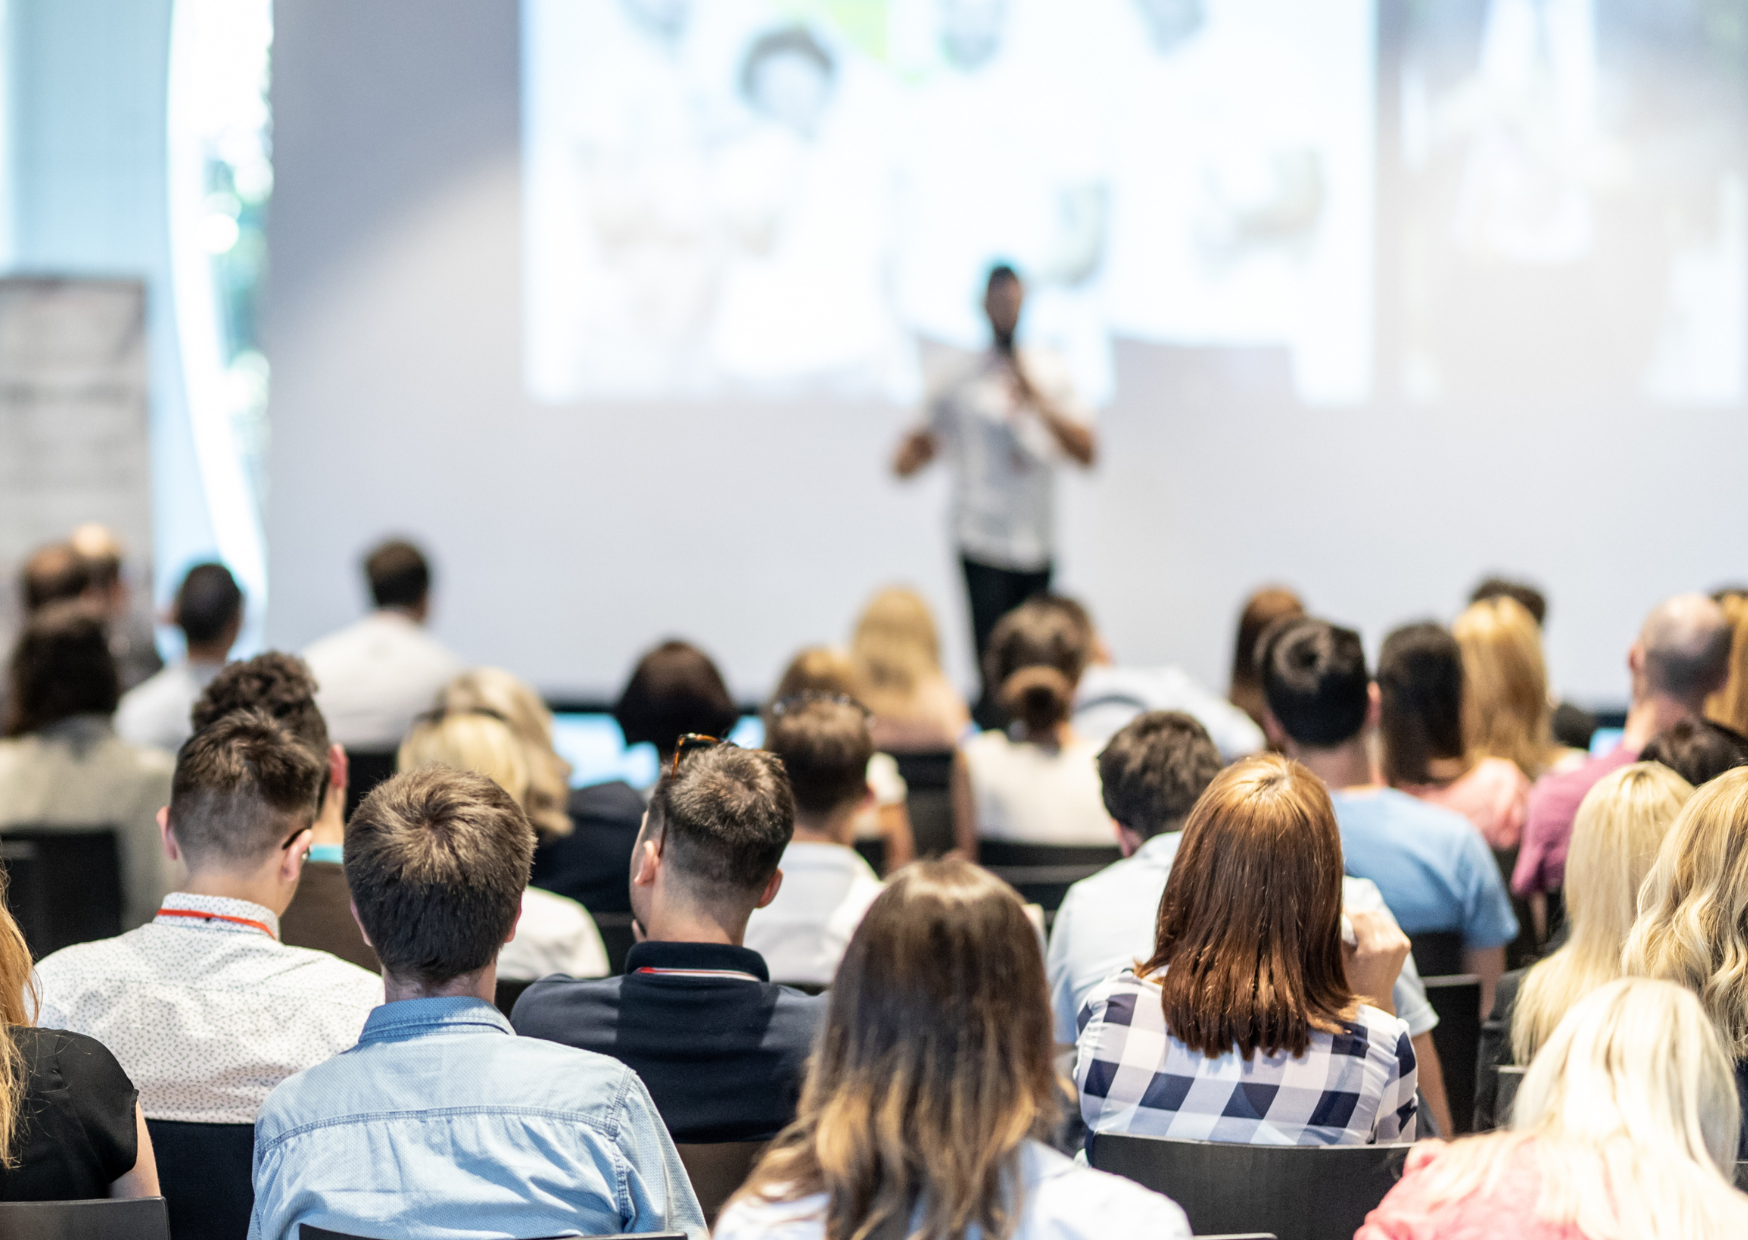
<point x="1154" y="769"/>
<point x="1420" y="686"/>
<point x="1035" y="659"/>
<point x="437" y="860"/>
<point x="54" y="574"/>
<point x="279" y="684"/>
<point x="816" y="669"/>
<point x="1247" y="952"/>
<point x="243" y="783"/>
<point x="825" y="749"/>
<point x="1505" y="696"/>
<point x="1729" y="705"/>
<point x="18" y="1006"/>
<point x="895" y="647"/>
<point x="724" y="820"/>
<point x="398" y="573"/>
<point x="675" y="689"/>
<point x="61" y="667"/>
<point x="933" y="1067"/>
<point x="1261" y="609"/>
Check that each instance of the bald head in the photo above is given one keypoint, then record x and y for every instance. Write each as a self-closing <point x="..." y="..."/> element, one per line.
<point x="1686" y="644"/>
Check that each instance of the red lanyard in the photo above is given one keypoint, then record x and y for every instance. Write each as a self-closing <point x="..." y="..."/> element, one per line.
<point x="262" y="926"/>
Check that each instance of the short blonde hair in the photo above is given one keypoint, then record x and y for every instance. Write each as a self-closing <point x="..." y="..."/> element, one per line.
<point x="1692" y="907"/>
<point x="1619" y="827"/>
<point x="1630" y="1115"/>
<point x="895" y="648"/>
<point x="468" y="741"/>
<point x="1505" y="684"/>
<point x="495" y="691"/>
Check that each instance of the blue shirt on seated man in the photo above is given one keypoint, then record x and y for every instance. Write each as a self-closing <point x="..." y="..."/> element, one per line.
<point x="722" y="1049"/>
<point x="441" y="1122"/>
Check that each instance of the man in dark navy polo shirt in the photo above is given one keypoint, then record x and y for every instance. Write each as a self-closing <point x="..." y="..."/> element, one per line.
<point x="721" y="1049"/>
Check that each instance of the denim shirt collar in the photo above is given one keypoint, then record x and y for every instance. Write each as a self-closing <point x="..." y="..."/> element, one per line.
<point x="416" y="1018"/>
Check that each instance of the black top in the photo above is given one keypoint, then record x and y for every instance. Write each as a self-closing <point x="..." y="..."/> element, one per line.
<point x="592" y="865"/>
<point x="320" y="916"/>
<point x="721" y="1049"/>
<point x="76" y="1131"/>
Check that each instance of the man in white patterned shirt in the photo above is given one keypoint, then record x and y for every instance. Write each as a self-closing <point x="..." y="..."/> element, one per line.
<point x="204" y="1007"/>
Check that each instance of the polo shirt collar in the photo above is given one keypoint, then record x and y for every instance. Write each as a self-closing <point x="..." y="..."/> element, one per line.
<point x="411" y="1018"/>
<point x="182" y="908"/>
<point x="696" y="959"/>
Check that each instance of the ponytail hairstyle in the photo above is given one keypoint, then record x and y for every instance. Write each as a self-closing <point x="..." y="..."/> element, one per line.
<point x="18" y="1006"/>
<point x="1035" y="659"/>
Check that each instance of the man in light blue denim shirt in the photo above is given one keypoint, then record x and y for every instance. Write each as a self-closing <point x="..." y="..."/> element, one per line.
<point x="441" y="1122"/>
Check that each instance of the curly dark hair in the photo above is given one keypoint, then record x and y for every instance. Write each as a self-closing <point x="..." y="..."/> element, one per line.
<point x="276" y="683"/>
<point x="60" y="667"/>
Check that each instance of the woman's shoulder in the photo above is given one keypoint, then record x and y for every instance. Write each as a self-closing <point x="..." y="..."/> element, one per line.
<point x="61" y="1058"/>
<point x="753" y="1216"/>
<point x="1069" y="1200"/>
<point x="1383" y="1031"/>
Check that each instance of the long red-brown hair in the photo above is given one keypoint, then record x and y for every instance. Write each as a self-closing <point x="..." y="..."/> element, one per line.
<point x="1247" y="951"/>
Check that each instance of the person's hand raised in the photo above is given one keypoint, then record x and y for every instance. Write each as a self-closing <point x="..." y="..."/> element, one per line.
<point x="1373" y="961"/>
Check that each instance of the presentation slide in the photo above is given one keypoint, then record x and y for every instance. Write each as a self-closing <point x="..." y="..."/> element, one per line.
<point x="794" y="199"/>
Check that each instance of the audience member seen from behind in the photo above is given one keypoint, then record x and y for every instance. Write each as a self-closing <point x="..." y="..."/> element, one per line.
<point x="440" y="1120"/>
<point x="897" y="653"/>
<point x="1570" y="725"/>
<point x="1037" y="782"/>
<point x="1425" y="754"/>
<point x="827" y="887"/>
<point x="722" y="1050"/>
<point x="71" y="1128"/>
<point x="1615" y="838"/>
<point x="320" y="913"/>
<point x="1110" y="694"/>
<point x="62" y="768"/>
<point x="209" y="611"/>
<point x="1698" y="750"/>
<point x="1435" y="871"/>
<point x="1624" y="1126"/>
<point x="377" y="673"/>
<point x="1152" y="773"/>
<point x="822" y="670"/>
<point x="1691" y="927"/>
<point x="1680" y="657"/>
<point x="933" y="1096"/>
<point x="1505" y="700"/>
<point x="553" y="934"/>
<point x="1729" y="704"/>
<point x="204" y="1007"/>
<point x="55" y="573"/>
<point x="131" y="641"/>
<point x="1261" y="609"/>
<point x="1253" y="1021"/>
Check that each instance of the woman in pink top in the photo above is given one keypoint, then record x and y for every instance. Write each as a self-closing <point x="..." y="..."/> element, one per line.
<point x="1420" y="680"/>
<point x="1624" y="1129"/>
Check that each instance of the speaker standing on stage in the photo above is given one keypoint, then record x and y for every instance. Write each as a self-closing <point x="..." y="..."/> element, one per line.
<point x="1006" y="420"/>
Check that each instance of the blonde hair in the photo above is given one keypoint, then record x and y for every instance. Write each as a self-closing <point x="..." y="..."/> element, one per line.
<point x="895" y="648"/>
<point x="495" y="691"/>
<point x="468" y="741"/>
<point x="932" y="1069"/>
<point x="1693" y="905"/>
<point x="1619" y="826"/>
<point x="1505" y="684"/>
<point x="1729" y="705"/>
<point x="1630" y="1115"/>
<point x="18" y="1006"/>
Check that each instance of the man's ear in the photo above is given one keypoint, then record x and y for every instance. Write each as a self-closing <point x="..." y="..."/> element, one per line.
<point x="167" y="835"/>
<point x="291" y="859"/>
<point x="771" y="888"/>
<point x="646" y="863"/>
<point x="339" y="767"/>
<point x="1129" y="841"/>
<point x="1374" y="704"/>
<point x="1636" y="658"/>
<point x="365" y="934"/>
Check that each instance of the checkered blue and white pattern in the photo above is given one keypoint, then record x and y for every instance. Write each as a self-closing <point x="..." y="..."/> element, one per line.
<point x="1349" y="1088"/>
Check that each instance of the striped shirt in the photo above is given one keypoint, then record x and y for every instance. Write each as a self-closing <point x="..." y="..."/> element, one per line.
<point x="1354" y="1087"/>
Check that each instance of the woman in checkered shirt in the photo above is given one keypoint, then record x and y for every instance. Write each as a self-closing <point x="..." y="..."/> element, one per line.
<point x="1261" y="1018"/>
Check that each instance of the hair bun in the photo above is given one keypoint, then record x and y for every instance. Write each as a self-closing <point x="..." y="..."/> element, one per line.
<point x="1038" y="696"/>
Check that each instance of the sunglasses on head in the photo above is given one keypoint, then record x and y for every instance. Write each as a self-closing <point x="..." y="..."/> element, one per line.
<point x="795" y="701"/>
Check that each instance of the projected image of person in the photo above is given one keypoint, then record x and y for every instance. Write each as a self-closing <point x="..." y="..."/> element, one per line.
<point x="1242" y="183"/>
<point x="804" y="190"/>
<point x="1005" y="420"/>
<point x="1005" y="161"/>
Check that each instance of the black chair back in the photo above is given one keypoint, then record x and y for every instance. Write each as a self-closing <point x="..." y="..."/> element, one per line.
<point x="63" y="887"/>
<point x="1457" y="1038"/>
<point x="1510" y="1077"/>
<point x="206" y="1171"/>
<point x="1043" y="873"/>
<point x="928" y="778"/>
<point x="1295" y="1192"/>
<point x="617" y="937"/>
<point x="128" y="1218"/>
<point x="1526" y="948"/>
<point x="365" y="769"/>
<point x="1437" y="953"/>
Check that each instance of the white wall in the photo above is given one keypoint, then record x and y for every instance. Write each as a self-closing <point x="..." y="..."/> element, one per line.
<point x="569" y="539"/>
